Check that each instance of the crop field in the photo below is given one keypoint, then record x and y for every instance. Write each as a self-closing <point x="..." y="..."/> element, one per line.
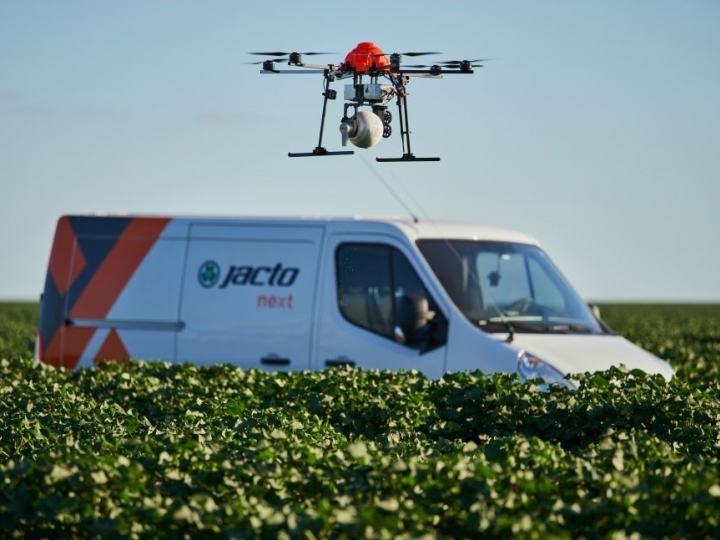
<point x="150" y="450"/>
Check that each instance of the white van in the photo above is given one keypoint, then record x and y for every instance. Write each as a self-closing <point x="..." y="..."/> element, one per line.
<point x="300" y="293"/>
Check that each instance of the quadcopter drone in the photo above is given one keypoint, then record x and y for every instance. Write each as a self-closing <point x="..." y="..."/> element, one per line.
<point x="362" y="128"/>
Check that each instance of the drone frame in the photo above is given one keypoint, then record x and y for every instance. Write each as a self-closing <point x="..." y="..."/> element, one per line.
<point x="399" y="78"/>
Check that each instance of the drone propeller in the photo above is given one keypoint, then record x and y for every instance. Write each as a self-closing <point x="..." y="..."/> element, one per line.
<point x="452" y="64"/>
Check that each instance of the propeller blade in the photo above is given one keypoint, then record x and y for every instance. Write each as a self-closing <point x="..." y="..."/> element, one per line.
<point x="441" y="65"/>
<point x="418" y="53"/>
<point x="442" y="69"/>
<point x="408" y="54"/>
<point x="280" y="53"/>
<point x="446" y="62"/>
<point x="459" y="66"/>
<point x="271" y="59"/>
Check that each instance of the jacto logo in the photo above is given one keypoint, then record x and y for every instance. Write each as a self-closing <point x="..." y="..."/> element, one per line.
<point x="209" y="274"/>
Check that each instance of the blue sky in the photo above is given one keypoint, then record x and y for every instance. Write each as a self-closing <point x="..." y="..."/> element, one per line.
<point x="596" y="128"/>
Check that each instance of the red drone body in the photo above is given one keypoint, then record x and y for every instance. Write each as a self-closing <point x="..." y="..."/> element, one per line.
<point x="364" y="58"/>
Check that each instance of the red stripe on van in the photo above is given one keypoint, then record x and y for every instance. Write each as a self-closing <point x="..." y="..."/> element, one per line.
<point x="112" y="349"/>
<point x="66" y="348"/>
<point x="66" y="263"/>
<point x="118" y="267"/>
<point x="108" y="283"/>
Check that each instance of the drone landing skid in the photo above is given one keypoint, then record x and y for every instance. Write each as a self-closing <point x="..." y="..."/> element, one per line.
<point x="319" y="151"/>
<point x="406" y="157"/>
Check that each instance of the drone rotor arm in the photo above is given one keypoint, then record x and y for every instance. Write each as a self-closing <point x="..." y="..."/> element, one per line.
<point x="311" y="66"/>
<point x="423" y="74"/>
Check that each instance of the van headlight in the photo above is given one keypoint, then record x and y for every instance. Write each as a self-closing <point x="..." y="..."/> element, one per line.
<point x="531" y="367"/>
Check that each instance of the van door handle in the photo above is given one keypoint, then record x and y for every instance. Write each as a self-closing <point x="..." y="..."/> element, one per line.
<point x="337" y="362"/>
<point x="275" y="361"/>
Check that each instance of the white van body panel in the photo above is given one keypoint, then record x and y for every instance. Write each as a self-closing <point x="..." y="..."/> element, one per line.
<point x="581" y="354"/>
<point x="260" y="311"/>
<point x="470" y="349"/>
<point x="264" y="292"/>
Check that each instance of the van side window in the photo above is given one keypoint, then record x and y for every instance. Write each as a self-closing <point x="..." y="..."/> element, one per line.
<point x="372" y="281"/>
<point x="363" y="273"/>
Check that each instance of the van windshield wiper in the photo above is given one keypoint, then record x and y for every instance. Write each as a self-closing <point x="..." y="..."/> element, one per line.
<point x="494" y="325"/>
<point x="570" y="329"/>
<point x="511" y="327"/>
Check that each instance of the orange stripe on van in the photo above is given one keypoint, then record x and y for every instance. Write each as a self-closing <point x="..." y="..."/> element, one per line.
<point x="112" y="349"/>
<point x="118" y="267"/>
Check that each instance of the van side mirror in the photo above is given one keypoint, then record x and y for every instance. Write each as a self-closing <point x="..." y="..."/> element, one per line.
<point x="412" y="317"/>
<point x="595" y="309"/>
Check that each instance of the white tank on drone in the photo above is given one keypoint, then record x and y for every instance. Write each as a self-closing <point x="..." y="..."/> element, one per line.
<point x="364" y="130"/>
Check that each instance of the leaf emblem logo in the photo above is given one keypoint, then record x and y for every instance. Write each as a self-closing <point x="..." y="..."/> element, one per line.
<point x="209" y="274"/>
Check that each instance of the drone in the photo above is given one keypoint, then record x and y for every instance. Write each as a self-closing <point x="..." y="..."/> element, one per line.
<point x="367" y="66"/>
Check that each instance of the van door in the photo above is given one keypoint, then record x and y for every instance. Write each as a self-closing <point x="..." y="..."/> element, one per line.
<point x="248" y="295"/>
<point x="365" y="281"/>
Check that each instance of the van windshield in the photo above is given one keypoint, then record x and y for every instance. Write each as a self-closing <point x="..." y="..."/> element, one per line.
<point x="502" y="286"/>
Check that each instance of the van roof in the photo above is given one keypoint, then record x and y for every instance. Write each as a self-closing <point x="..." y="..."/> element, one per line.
<point x="451" y="229"/>
<point x="413" y="229"/>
